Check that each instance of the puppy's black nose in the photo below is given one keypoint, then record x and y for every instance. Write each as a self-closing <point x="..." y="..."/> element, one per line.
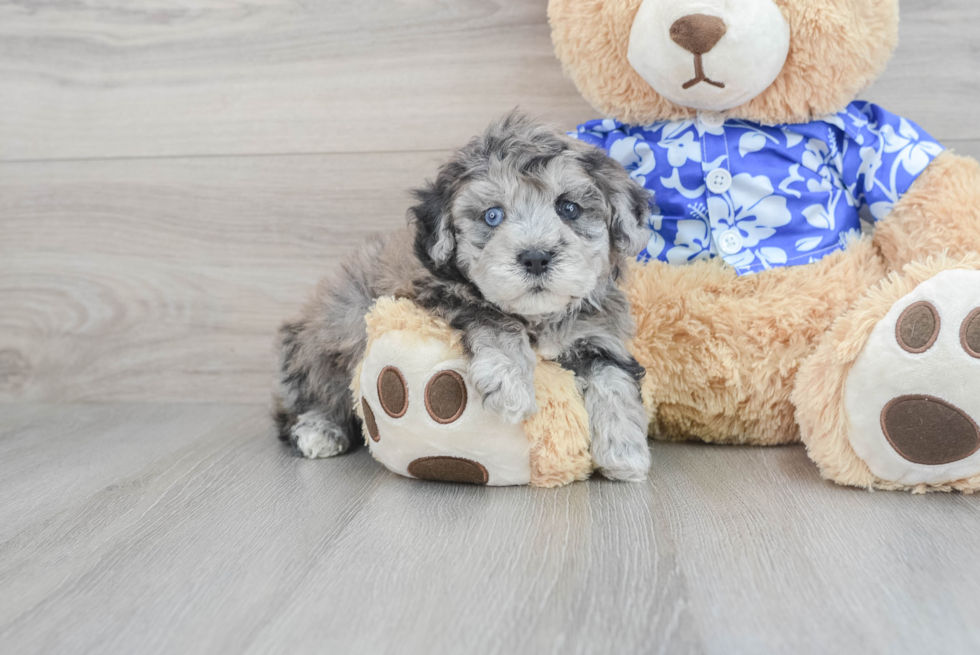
<point x="535" y="262"/>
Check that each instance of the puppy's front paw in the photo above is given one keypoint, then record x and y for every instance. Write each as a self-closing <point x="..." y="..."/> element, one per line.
<point x="619" y="427"/>
<point x="622" y="456"/>
<point x="316" y="437"/>
<point x="507" y="385"/>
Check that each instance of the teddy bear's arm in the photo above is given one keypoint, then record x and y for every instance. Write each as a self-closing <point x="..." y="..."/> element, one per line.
<point x="940" y="212"/>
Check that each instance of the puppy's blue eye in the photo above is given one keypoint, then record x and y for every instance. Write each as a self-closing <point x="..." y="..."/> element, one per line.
<point x="494" y="217"/>
<point x="568" y="210"/>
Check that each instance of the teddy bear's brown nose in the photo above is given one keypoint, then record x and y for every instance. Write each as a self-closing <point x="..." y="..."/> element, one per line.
<point x="698" y="33"/>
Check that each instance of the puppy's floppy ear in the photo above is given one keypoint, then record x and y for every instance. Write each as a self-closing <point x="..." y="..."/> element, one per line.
<point x="435" y="239"/>
<point x="629" y="202"/>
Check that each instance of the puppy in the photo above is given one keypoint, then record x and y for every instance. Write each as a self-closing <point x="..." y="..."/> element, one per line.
<point x="518" y="244"/>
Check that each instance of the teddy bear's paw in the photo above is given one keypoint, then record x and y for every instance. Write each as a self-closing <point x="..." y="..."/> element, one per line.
<point x="316" y="436"/>
<point x="506" y="383"/>
<point x="423" y="416"/>
<point x="912" y="397"/>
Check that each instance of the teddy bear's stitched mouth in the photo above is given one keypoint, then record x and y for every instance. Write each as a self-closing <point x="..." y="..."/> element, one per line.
<point x="699" y="75"/>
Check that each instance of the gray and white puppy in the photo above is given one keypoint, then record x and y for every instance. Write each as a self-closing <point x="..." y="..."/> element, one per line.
<point x="519" y="244"/>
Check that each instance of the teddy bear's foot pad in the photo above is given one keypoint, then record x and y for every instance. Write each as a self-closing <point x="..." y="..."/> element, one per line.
<point x="449" y="469"/>
<point x="928" y="430"/>
<point x="913" y="396"/>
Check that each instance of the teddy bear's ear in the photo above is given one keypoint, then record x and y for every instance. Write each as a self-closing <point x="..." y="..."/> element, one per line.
<point x="629" y="203"/>
<point x="435" y="238"/>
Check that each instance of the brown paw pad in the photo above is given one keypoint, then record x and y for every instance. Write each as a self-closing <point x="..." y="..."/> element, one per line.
<point x="448" y="469"/>
<point x="927" y="430"/>
<point x="918" y="327"/>
<point x="445" y="397"/>
<point x="370" y="421"/>
<point x="393" y="392"/>
<point x="970" y="334"/>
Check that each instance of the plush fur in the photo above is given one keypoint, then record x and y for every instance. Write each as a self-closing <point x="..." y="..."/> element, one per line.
<point x="559" y="432"/>
<point x="555" y="196"/>
<point x="940" y="213"/>
<point x="724" y="353"/>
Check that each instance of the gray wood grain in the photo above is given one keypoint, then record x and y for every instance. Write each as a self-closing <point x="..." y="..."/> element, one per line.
<point x="193" y="77"/>
<point x="188" y="529"/>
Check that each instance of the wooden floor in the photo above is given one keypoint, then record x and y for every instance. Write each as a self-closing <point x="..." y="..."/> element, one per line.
<point x="175" y="176"/>
<point x="167" y="528"/>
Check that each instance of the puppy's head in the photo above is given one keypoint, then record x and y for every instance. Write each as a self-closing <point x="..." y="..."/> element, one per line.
<point x="536" y="220"/>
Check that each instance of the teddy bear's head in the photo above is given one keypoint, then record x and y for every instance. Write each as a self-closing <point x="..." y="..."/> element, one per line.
<point x="771" y="61"/>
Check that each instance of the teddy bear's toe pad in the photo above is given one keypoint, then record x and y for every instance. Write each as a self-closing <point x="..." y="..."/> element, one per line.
<point x="912" y="398"/>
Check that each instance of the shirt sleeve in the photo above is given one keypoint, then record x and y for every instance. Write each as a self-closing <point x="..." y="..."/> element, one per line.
<point x="601" y="133"/>
<point x="630" y="146"/>
<point x="883" y="155"/>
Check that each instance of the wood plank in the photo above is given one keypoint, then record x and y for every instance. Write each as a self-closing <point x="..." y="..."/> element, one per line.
<point x="208" y="77"/>
<point x="166" y="279"/>
<point x="212" y="77"/>
<point x="188" y="528"/>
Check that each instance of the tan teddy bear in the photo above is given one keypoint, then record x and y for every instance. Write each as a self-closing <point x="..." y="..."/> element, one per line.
<point x="763" y="315"/>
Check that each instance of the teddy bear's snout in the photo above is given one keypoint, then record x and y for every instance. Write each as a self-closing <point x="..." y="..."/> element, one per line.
<point x="698" y="33"/>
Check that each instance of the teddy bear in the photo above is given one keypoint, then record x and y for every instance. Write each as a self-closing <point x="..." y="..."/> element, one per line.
<point x="812" y="270"/>
<point x="765" y="314"/>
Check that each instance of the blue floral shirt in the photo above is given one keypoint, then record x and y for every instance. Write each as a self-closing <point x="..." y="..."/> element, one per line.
<point x="765" y="196"/>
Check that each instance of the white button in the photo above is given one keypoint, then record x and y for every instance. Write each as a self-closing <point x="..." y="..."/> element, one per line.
<point x="730" y="242"/>
<point x="712" y="118"/>
<point x="719" y="180"/>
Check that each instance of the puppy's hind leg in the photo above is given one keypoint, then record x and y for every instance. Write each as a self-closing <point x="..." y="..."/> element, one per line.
<point x="314" y="411"/>
<point x="319" y="353"/>
<point x="316" y="435"/>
